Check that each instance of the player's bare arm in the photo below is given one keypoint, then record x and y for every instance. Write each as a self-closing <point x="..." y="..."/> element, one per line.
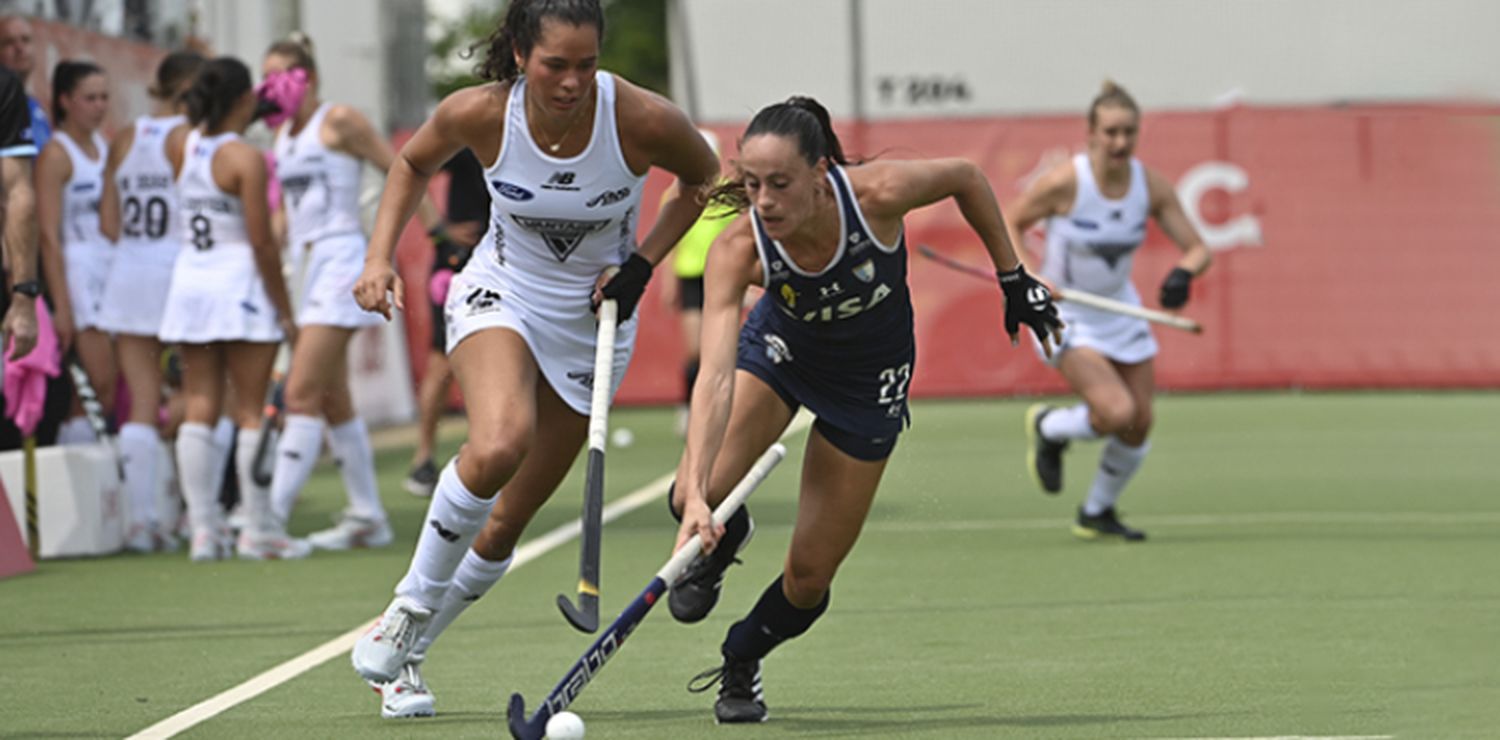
<point x="732" y="267"/>
<point x="658" y="133"/>
<point x="109" y="197"/>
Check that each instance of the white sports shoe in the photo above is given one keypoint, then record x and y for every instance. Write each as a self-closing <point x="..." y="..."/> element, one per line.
<point x="353" y="531"/>
<point x="140" y="539"/>
<point x="381" y="652"/>
<point x="407" y="696"/>
<point x="272" y="546"/>
<point x="209" y="545"/>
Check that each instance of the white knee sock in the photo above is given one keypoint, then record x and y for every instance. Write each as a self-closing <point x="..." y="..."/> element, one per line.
<point x="350" y="443"/>
<point x="296" y="455"/>
<point x="453" y="518"/>
<point x="76" y="431"/>
<point x="255" y="498"/>
<point x="140" y="450"/>
<point x="1117" y="465"/>
<point x="1060" y="425"/>
<point x="474" y="577"/>
<point x="198" y="472"/>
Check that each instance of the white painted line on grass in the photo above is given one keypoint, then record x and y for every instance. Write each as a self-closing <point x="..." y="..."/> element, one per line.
<point x="1333" y="518"/>
<point x="1296" y="737"/>
<point x="341" y="645"/>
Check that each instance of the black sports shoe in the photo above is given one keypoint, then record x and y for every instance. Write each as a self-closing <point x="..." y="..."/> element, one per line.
<point x="1105" y="524"/>
<point x="1043" y="456"/>
<point x="694" y="595"/>
<point x="740" y="698"/>
<point x="422" y="479"/>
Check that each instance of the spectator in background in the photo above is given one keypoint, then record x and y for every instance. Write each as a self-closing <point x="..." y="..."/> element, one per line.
<point x="18" y="54"/>
<point x="468" y="208"/>
<point x="684" y="291"/>
<point x="17" y="221"/>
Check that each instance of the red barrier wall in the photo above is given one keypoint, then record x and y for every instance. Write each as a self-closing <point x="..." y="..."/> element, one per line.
<point x="1378" y="248"/>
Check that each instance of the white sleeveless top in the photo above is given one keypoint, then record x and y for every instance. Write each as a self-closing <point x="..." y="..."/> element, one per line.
<point x="213" y="221"/>
<point x="1093" y="247"/>
<point x="320" y="186"/>
<point x="149" y="213"/>
<point x="555" y="224"/>
<point x="80" y="196"/>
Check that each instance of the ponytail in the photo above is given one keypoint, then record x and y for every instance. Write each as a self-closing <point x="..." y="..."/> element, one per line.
<point x="523" y="25"/>
<point x="214" y="91"/>
<point x="800" y="118"/>
<point x="1111" y="94"/>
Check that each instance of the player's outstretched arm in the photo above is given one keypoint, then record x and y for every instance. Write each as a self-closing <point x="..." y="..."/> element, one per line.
<point x="1167" y="210"/>
<point x="465" y="118"/>
<point x="732" y="267"/>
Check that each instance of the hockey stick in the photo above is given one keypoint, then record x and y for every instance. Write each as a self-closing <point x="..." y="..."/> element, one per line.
<point x="585" y="616"/>
<point x="587" y="667"/>
<point x="33" y="528"/>
<point x="1074" y="296"/>
<point x="270" y="429"/>
<point x="94" y="412"/>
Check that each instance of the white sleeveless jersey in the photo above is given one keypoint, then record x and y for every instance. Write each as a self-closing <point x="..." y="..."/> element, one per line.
<point x="80" y="196"/>
<point x="555" y="224"/>
<point x="1093" y="247"/>
<point x="213" y="221"/>
<point x="150" y="225"/>
<point x="320" y="186"/>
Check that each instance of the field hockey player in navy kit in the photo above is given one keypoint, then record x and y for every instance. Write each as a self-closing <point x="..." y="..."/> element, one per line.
<point x="833" y="332"/>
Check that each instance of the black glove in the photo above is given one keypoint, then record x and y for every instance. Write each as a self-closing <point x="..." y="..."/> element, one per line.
<point x="1027" y="301"/>
<point x="627" y="285"/>
<point x="1174" y="290"/>
<point x="448" y="254"/>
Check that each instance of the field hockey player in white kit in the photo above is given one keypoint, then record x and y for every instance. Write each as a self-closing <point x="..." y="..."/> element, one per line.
<point x="75" y="254"/>
<point x="320" y="148"/>
<point x="565" y="148"/>
<point x="1096" y="206"/>
<point x="228" y="308"/>
<point x="140" y="214"/>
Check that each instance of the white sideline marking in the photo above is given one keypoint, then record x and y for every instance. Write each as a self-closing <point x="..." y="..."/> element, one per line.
<point x="1297" y="737"/>
<point x="1350" y="518"/>
<point x="528" y="551"/>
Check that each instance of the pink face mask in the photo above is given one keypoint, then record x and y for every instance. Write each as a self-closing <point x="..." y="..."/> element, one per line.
<point x="281" y="94"/>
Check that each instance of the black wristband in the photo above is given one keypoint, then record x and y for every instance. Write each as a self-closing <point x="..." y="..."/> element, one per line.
<point x="29" y="288"/>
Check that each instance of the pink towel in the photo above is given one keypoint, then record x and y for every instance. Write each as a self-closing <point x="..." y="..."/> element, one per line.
<point x="26" y="378"/>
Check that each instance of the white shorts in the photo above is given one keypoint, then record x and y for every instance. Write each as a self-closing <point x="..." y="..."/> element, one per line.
<point x="221" y="301"/>
<point x="562" y="345"/>
<point x="136" y="291"/>
<point x="1124" y="339"/>
<point x="87" y="267"/>
<point x="333" y="266"/>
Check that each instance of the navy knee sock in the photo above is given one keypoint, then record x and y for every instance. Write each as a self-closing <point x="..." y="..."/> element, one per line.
<point x="774" y="620"/>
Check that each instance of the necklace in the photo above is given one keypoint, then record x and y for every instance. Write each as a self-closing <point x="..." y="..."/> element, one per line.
<point x="553" y="147"/>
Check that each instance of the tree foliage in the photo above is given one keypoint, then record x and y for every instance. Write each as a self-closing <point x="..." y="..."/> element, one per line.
<point x="635" y="45"/>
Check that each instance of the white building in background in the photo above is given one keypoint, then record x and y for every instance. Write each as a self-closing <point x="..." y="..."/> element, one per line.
<point x="891" y="59"/>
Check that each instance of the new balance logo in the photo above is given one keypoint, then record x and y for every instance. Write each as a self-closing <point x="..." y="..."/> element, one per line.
<point x="584" y="378"/>
<point x="481" y="301"/>
<point x="560" y="181"/>
<point x="445" y="533"/>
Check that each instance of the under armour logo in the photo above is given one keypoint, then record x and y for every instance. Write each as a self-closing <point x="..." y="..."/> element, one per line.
<point x="829" y="291"/>
<point x="446" y="534"/>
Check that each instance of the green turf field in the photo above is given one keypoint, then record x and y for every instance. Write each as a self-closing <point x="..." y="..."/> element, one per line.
<point x="1321" y="565"/>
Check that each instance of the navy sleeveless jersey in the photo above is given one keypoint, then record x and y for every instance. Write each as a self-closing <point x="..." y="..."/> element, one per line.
<point x="840" y="340"/>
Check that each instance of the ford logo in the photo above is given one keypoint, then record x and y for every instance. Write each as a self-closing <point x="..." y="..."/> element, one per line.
<point x="513" y="192"/>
